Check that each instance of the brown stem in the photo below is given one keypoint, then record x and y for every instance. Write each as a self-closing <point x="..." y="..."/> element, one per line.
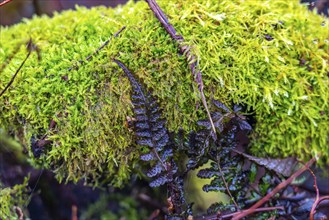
<point x="219" y="216"/>
<point x="312" y="212"/>
<point x="226" y="185"/>
<point x="315" y="205"/>
<point x="265" y="209"/>
<point x="30" y="49"/>
<point x="4" y="2"/>
<point x="160" y="15"/>
<point x="279" y="187"/>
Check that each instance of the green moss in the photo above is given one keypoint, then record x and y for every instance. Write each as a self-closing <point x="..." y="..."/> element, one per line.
<point x="239" y="65"/>
<point x="11" y="197"/>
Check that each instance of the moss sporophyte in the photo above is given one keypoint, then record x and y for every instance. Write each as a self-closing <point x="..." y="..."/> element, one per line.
<point x="269" y="56"/>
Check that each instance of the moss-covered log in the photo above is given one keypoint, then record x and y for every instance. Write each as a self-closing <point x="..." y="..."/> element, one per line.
<point x="270" y="56"/>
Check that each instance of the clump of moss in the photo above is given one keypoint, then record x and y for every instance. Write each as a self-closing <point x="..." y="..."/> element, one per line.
<point x="13" y="199"/>
<point x="270" y="56"/>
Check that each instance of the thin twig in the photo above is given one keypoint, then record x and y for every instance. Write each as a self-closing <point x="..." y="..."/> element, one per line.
<point x="30" y="48"/>
<point x="279" y="187"/>
<point x="312" y="212"/>
<point x="315" y="205"/>
<point x="101" y="47"/>
<point x="4" y="2"/>
<point x="226" y="185"/>
<point x="184" y="49"/>
<point x="265" y="209"/>
<point x="34" y="188"/>
<point x="218" y="216"/>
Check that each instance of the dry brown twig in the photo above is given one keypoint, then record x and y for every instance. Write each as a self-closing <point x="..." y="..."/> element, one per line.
<point x="219" y="216"/>
<point x="4" y="2"/>
<point x="312" y="212"/>
<point x="282" y="185"/>
<point x="184" y="49"/>
<point x="30" y="47"/>
<point x="318" y="199"/>
<point x="315" y="205"/>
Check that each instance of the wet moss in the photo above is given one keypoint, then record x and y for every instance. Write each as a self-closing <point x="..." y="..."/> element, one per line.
<point x="270" y="56"/>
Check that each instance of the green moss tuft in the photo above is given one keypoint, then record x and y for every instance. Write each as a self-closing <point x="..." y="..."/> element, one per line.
<point x="11" y="197"/>
<point x="239" y="61"/>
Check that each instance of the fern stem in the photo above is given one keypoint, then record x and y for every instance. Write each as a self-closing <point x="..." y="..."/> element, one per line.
<point x="225" y="183"/>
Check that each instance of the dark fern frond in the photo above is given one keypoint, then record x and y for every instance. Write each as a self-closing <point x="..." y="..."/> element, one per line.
<point x="212" y="188"/>
<point x="208" y="173"/>
<point x="155" y="170"/>
<point x="147" y="157"/>
<point x="220" y="105"/>
<point x="159" y="181"/>
<point x="150" y="130"/>
<point x="197" y="144"/>
<point x="226" y="168"/>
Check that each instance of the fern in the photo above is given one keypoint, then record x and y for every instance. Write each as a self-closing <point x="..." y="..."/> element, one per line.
<point x="226" y="168"/>
<point x="150" y="131"/>
<point x="230" y="168"/>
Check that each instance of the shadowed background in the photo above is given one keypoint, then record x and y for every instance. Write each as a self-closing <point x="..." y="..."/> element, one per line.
<point x="14" y="11"/>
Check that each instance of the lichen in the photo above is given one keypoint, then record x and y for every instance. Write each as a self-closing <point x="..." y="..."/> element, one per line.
<point x="269" y="56"/>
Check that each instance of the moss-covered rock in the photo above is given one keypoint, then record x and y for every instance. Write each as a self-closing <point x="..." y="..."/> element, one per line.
<point x="270" y="56"/>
